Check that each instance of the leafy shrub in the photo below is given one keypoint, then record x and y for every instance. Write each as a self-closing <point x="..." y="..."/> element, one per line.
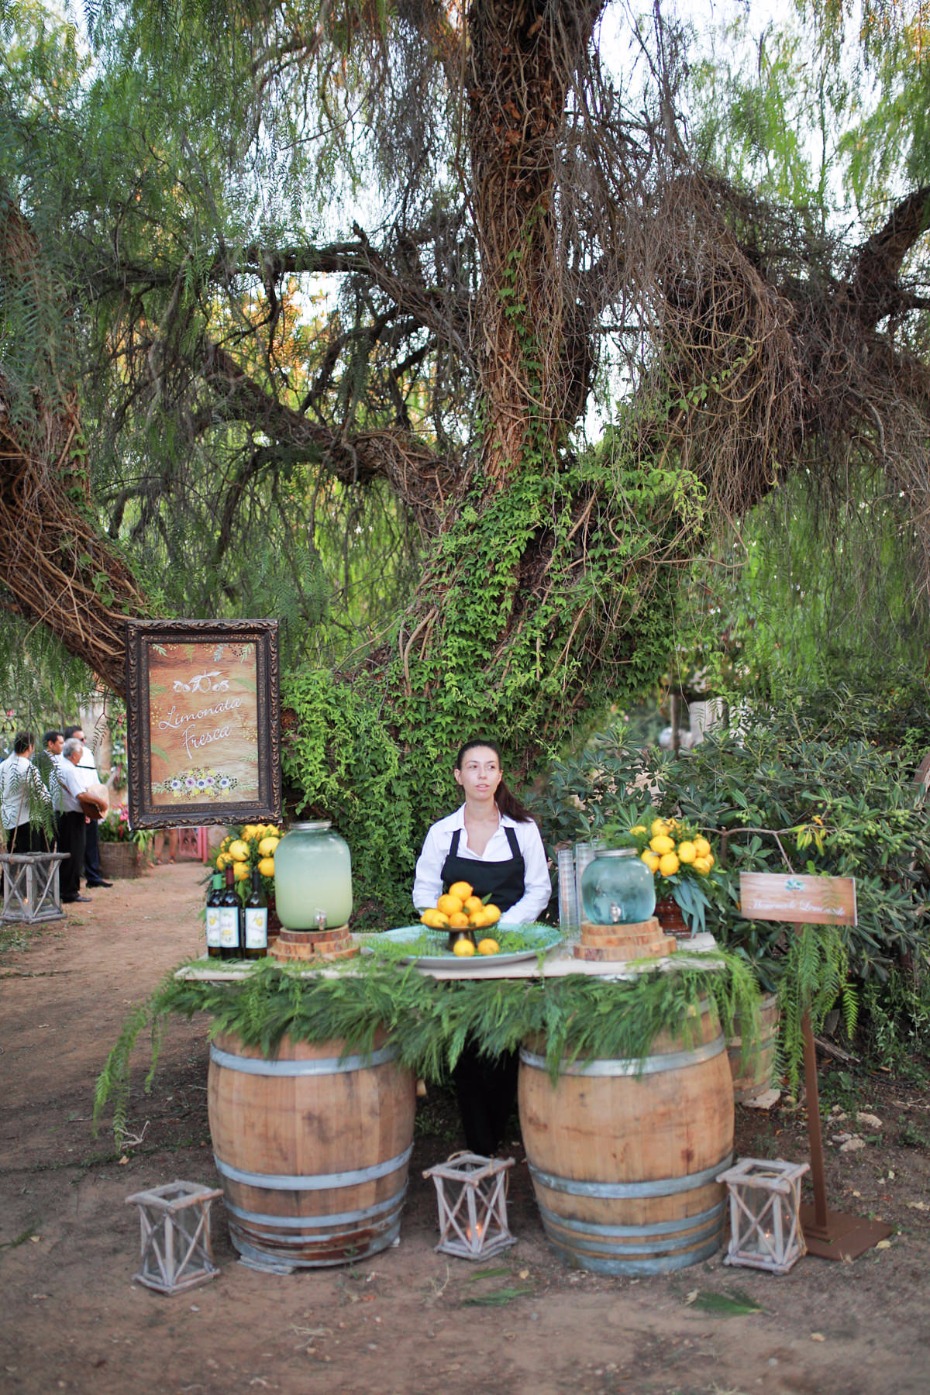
<point x="799" y="787"/>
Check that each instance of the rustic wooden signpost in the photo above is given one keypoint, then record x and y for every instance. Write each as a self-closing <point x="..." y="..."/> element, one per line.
<point x="803" y="900"/>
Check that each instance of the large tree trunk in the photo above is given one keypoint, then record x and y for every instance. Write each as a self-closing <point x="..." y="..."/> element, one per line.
<point x="533" y="363"/>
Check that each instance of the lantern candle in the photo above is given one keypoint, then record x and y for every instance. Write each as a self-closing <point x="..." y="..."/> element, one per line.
<point x="472" y="1196"/>
<point x="765" y="1203"/>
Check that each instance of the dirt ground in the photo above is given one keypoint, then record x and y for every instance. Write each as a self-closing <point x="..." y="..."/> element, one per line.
<point x="407" y="1320"/>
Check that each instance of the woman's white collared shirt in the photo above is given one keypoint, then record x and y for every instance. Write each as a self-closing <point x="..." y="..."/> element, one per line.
<point x="427" y="885"/>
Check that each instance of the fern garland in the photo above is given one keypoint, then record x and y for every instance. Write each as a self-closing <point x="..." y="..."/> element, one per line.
<point x="814" y="979"/>
<point x="429" y="1020"/>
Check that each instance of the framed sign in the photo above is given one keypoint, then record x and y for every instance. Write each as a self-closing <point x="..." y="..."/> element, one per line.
<point x="796" y="899"/>
<point x="203" y="722"/>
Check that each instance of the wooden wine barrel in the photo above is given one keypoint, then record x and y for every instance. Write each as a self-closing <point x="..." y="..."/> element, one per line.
<point x="312" y="1149"/>
<point x="624" y="1154"/>
<point x="753" y="1069"/>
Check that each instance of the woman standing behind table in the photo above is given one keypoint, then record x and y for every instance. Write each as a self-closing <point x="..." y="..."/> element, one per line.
<point x="492" y="843"/>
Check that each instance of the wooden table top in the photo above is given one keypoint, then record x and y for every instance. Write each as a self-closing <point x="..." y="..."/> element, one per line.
<point x="557" y="964"/>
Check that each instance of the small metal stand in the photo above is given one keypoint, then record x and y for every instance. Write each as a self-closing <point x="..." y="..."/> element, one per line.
<point x="31" y="890"/>
<point x="829" y="1234"/>
<point x="473" y="1212"/>
<point x="177" y="1252"/>
<point x="765" y="1203"/>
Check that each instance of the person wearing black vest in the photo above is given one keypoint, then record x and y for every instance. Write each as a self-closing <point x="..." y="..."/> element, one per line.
<point x="491" y="842"/>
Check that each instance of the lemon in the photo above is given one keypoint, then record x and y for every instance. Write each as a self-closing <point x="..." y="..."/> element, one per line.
<point x="458" y="920"/>
<point x="472" y="904"/>
<point x="701" y="847"/>
<point x="248" y="832"/>
<point x="463" y="948"/>
<point x="702" y="865"/>
<point x="651" y="860"/>
<point x="461" y="889"/>
<point x="658" y="826"/>
<point x="488" y="946"/>
<point x="449" y="903"/>
<point x="221" y="862"/>
<point x="266" y="866"/>
<point x="491" y="914"/>
<point x="267" y="846"/>
<point x="480" y="920"/>
<point x="239" y="851"/>
<point x="240" y="871"/>
<point x="638" y="828"/>
<point x="668" y="864"/>
<point x="435" y="919"/>
<point x="687" y="852"/>
<point x="662" y="843"/>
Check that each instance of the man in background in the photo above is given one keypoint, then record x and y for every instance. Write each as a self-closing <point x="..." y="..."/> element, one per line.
<point x="87" y="770"/>
<point x="23" y="798"/>
<point x="46" y="762"/>
<point x="72" y="822"/>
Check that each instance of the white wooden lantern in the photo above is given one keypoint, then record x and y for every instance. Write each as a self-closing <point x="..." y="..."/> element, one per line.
<point x="765" y="1204"/>
<point x="472" y="1196"/>
<point x="31" y="890"/>
<point x="177" y="1250"/>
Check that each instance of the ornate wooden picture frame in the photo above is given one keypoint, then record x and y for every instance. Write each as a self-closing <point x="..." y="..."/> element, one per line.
<point x="203" y="722"/>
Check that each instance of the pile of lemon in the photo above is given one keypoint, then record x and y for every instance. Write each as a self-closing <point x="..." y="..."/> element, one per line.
<point x="664" y="856"/>
<point x="460" y="909"/>
<point x="253" y="846"/>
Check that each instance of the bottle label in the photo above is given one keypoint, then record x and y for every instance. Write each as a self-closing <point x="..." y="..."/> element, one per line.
<point x="229" y="927"/>
<point x="213" y="926"/>
<point x="256" y="927"/>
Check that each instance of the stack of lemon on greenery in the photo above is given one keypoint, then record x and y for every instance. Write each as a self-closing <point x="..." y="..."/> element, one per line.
<point x="460" y="909"/>
<point x="664" y="856"/>
<point x="253" y="845"/>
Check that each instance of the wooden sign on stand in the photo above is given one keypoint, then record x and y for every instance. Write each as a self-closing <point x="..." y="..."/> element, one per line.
<point x="802" y="900"/>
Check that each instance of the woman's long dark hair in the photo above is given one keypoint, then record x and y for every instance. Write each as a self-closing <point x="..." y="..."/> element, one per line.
<point x="506" y="800"/>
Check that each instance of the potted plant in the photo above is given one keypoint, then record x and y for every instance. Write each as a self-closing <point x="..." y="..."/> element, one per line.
<point x="122" y="848"/>
<point x="682" y="861"/>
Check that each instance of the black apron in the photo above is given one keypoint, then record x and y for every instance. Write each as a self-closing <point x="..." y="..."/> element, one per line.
<point x="486" y="1087"/>
<point x="504" y="881"/>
